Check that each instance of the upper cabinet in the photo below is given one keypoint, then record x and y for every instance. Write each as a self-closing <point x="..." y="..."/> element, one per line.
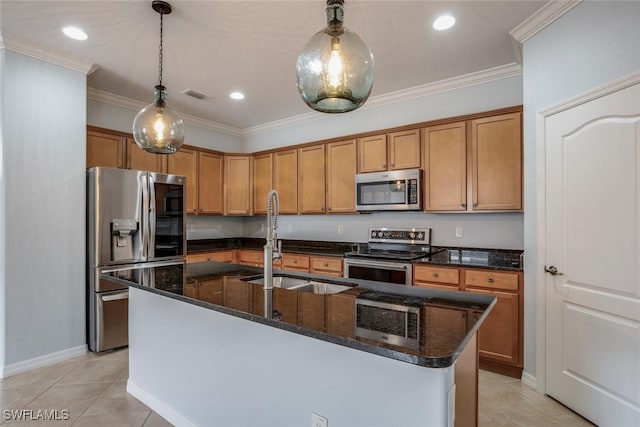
<point x="311" y="179"/>
<point x="210" y="180"/>
<point x="262" y="181"/>
<point x="105" y="149"/>
<point x="341" y="169"/>
<point x="141" y="160"/>
<point x="185" y="163"/>
<point x="445" y="167"/>
<point x="285" y="180"/>
<point x="496" y="163"/>
<point x="396" y="150"/>
<point x="237" y="185"/>
<point x="474" y="166"/>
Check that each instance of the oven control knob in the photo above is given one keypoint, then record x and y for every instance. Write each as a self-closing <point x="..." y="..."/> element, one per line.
<point x="420" y="236"/>
<point x="412" y="235"/>
<point x="373" y="234"/>
<point x="380" y="233"/>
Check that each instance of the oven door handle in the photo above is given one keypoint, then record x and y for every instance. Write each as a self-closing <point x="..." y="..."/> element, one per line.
<point x="386" y="265"/>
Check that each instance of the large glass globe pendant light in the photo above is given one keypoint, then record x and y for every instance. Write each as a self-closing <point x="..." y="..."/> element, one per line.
<point x="335" y="67"/>
<point x="157" y="128"/>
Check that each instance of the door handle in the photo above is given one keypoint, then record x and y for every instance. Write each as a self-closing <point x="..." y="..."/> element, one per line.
<point x="552" y="271"/>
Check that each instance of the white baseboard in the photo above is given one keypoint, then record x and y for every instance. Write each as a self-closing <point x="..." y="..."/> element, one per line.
<point x="41" y="361"/>
<point x="529" y="380"/>
<point x="159" y="407"/>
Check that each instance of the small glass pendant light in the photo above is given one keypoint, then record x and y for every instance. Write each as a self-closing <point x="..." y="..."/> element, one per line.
<point x="335" y="67"/>
<point x="157" y="128"/>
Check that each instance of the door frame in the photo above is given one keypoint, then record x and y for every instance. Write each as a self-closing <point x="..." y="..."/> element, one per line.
<point x="541" y="220"/>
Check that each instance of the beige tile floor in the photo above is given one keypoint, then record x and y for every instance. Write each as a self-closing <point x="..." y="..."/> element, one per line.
<point x="93" y="389"/>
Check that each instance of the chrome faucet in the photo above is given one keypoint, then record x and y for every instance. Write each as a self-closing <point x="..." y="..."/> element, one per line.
<point x="272" y="250"/>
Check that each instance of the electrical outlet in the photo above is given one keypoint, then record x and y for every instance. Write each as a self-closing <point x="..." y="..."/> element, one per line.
<point x="219" y="227"/>
<point x="459" y="232"/>
<point x="262" y="227"/>
<point x="318" y="420"/>
<point x="289" y="228"/>
<point x="192" y="227"/>
<point x="340" y="229"/>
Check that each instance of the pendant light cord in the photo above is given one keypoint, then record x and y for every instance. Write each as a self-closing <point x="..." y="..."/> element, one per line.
<point x="160" y="56"/>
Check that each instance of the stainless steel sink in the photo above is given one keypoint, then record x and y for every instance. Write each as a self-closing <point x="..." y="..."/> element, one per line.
<point x="320" y="288"/>
<point x="303" y="285"/>
<point x="282" y="282"/>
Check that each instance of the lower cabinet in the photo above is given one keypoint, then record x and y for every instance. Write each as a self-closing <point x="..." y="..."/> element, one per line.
<point x="329" y="266"/>
<point x="217" y="256"/>
<point x="500" y="338"/>
<point x="253" y="258"/>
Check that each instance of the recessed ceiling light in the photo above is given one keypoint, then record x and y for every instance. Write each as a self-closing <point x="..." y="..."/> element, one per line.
<point x="236" y="95"/>
<point x="75" y="33"/>
<point x="444" y="22"/>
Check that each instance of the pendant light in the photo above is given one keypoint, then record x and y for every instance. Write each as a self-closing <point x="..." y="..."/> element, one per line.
<point x="335" y="67"/>
<point x="157" y="128"/>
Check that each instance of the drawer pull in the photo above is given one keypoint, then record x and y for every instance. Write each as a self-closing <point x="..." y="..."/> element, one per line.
<point x="208" y="259"/>
<point x="384" y="165"/>
<point x="490" y="279"/>
<point x="326" y="264"/>
<point x="435" y="274"/>
<point x="463" y="205"/>
<point x="295" y="261"/>
<point x="258" y="257"/>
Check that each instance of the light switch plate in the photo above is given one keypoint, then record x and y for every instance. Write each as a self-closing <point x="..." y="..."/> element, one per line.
<point x="318" y="420"/>
<point x="459" y="232"/>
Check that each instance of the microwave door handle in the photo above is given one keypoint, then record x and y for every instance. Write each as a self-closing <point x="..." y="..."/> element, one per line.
<point x="387" y="265"/>
<point x="152" y="216"/>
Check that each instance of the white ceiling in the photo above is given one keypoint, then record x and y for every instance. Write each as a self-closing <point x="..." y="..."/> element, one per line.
<point x="216" y="47"/>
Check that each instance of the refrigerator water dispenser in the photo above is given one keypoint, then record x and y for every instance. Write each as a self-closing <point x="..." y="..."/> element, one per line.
<point x="122" y="231"/>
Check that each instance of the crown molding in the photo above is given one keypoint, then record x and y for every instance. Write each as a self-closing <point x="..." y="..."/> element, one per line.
<point x="24" y="49"/>
<point x="479" y="77"/>
<point x="541" y="18"/>
<point x="135" y="105"/>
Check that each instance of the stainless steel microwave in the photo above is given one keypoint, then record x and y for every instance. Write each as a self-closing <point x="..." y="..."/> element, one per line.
<point x="398" y="190"/>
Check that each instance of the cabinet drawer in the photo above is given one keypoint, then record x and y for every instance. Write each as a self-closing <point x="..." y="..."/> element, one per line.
<point x="218" y="256"/>
<point x="326" y="265"/>
<point x="295" y="262"/>
<point x="491" y="279"/>
<point x="423" y="273"/>
<point x="254" y="258"/>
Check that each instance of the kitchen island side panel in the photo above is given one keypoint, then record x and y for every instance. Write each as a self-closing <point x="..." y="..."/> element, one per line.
<point x="197" y="366"/>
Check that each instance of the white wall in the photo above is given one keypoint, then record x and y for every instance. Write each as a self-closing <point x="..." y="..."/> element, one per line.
<point x="592" y="44"/>
<point x="3" y="225"/>
<point x="43" y="173"/>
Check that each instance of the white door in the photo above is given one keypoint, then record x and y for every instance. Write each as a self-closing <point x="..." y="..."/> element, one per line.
<point x="592" y="176"/>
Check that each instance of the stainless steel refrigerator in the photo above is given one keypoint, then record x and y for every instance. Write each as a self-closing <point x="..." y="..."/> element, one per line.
<point x="133" y="218"/>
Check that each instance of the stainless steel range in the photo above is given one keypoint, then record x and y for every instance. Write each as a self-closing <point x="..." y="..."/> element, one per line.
<point x="388" y="255"/>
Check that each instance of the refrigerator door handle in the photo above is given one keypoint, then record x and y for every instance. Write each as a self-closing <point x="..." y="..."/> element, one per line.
<point x="145" y="217"/>
<point x="152" y="216"/>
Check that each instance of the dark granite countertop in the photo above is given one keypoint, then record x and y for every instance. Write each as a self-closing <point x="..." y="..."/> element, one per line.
<point x="447" y="320"/>
<point x="494" y="259"/>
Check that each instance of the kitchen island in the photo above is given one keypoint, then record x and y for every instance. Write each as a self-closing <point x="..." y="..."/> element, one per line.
<point x="203" y="353"/>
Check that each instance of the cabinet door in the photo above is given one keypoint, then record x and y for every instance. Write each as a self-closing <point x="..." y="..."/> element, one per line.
<point x="311" y="179"/>
<point x="249" y="257"/>
<point x="262" y="181"/>
<point x="341" y="169"/>
<point x="496" y="168"/>
<point x="295" y="262"/>
<point x="210" y="178"/>
<point x="311" y="311"/>
<point x="329" y="266"/>
<point x="285" y="180"/>
<point x="237" y="185"/>
<point x="445" y="167"/>
<point x="372" y="154"/>
<point x="440" y="319"/>
<point x="498" y="336"/>
<point x="141" y="160"/>
<point x="341" y="315"/>
<point x="210" y="291"/>
<point x="404" y="149"/>
<point x="185" y="163"/>
<point x="104" y="149"/>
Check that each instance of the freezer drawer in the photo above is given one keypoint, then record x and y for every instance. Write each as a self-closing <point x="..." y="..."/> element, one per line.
<point x="112" y="318"/>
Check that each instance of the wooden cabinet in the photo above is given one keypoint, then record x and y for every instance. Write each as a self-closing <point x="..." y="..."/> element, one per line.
<point x="262" y="181"/>
<point x="440" y="319"/>
<point x="210" y="181"/>
<point x="436" y="277"/>
<point x="295" y="262"/>
<point x="341" y="169"/>
<point x="105" y="149"/>
<point x="311" y="179"/>
<point x="138" y="159"/>
<point x="329" y="266"/>
<point x="190" y="289"/>
<point x="496" y="163"/>
<point x="250" y="257"/>
<point x="341" y="315"/>
<point x="445" y="167"/>
<point x="311" y="311"/>
<point x="185" y="163"/>
<point x="396" y="150"/>
<point x="217" y="256"/>
<point x="237" y="185"/>
<point x="500" y="336"/>
<point x="211" y="291"/>
<point x="285" y="180"/>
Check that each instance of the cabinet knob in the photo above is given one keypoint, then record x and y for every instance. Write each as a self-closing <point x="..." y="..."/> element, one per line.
<point x="329" y="208"/>
<point x="435" y="274"/>
<point x="384" y="165"/>
<point x="326" y="264"/>
<point x="258" y="257"/>
<point x="490" y="280"/>
<point x="475" y="204"/>
<point x="393" y="164"/>
<point x="295" y="261"/>
<point x="208" y="259"/>
<point x="463" y="205"/>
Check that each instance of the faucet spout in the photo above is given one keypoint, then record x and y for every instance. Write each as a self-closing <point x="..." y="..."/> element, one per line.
<point x="272" y="250"/>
